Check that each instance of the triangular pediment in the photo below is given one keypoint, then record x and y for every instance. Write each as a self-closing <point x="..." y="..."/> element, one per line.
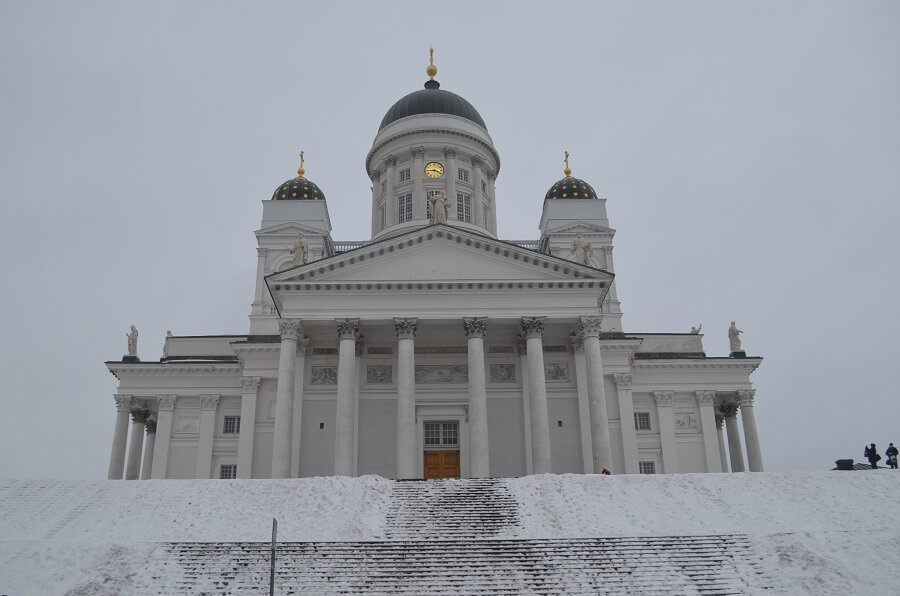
<point x="292" y="229"/>
<point x="439" y="253"/>
<point x="581" y="227"/>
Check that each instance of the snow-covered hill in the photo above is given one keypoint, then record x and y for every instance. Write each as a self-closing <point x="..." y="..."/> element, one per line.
<point x="817" y="533"/>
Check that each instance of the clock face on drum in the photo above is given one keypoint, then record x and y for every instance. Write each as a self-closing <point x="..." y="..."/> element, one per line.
<point x="434" y="170"/>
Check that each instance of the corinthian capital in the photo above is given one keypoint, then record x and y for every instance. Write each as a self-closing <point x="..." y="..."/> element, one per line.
<point x="249" y="384"/>
<point x="477" y="161"/>
<point x="390" y="161"/>
<point x="577" y="342"/>
<point x="261" y="252"/>
<point x="150" y="426"/>
<point x="347" y="328"/>
<point x="123" y="403"/>
<point x="745" y="396"/>
<point x="533" y="326"/>
<point x="475" y="326"/>
<point x="589" y="326"/>
<point x="290" y="328"/>
<point x="209" y="402"/>
<point x="139" y="414"/>
<point x="623" y="381"/>
<point x="165" y="402"/>
<point x="417" y="152"/>
<point x="405" y="328"/>
<point x="663" y="398"/>
<point x="705" y="398"/>
<point x="729" y="410"/>
<point x="450" y="152"/>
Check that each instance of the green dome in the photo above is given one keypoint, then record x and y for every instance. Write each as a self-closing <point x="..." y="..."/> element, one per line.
<point x="298" y="189"/>
<point x="571" y="188"/>
<point x="432" y="100"/>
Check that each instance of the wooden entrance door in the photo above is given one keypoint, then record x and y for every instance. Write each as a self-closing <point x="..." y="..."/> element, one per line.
<point x="442" y="464"/>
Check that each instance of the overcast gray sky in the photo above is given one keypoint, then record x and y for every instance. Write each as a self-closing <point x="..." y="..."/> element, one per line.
<point x="749" y="153"/>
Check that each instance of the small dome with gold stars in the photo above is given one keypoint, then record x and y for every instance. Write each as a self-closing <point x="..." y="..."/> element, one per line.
<point x="299" y="188"/>
<point x="570" y="188"/>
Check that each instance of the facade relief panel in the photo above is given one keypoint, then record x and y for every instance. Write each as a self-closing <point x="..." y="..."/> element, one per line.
<point x="556" y="371"/>
<point x="427" y="374"/>
<point x="378" y="374"/>
<point x="503" y="373"/>
<point x="686" y="422"/>
<point x="323" y="375"/>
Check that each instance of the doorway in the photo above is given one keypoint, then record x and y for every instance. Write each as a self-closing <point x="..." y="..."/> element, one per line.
<point x="441" y="457"/>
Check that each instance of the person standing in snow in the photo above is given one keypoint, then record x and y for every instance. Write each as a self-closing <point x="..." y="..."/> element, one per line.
<point x="891" y="453"/>
<point x="871" y="454"/>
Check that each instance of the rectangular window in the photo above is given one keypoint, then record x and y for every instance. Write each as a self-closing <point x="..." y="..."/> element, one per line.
<point x="647" y="467"/>
<point x="463" y="207"/>
<point x="228" y="471"/>
<point x="404" y="175"/>
<point x="462" y="174"/>
<point x="232" y="425"/>
<point x="441" y="434"/>
<point x="404" y="208"/>
<point x="642" y="421"/>
<point x="484" y="186"/>
<point x="383" y="215"/>
<point x="485" y="213"/>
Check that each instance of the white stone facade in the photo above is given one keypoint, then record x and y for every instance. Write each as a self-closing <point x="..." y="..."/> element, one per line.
<point x="433" y="342"/>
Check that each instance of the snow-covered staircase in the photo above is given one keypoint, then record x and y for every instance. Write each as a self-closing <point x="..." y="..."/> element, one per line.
<point x="458" y="537"/>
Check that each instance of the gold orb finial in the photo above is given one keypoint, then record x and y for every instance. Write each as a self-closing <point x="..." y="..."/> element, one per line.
<point x="300" y="170"/>
<point x="568" y="170"/>
<point x="431" y="69"/>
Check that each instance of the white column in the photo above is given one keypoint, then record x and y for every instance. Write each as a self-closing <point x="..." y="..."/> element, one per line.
<point x="589" y="327"/>
<point x="584" y="406"/>
<point x="418" y="172"/>
<point x="734" y="436"/>
<point x="723" y="457"/>
<point x="208" y="405"/>
<point x="120" y="437"/>
<point x="751" y="438"/>
<point x="390" y="199"/>
<point x="522" y="350"/>
<point x="667" y="430"/>
<point x="407" y="444"/>
<point x="260" y="280"/>
<point x="165" y="405"/>
<point x="626" y="417"/>
<point x="706" y="401"/>
<point x="297" y="419"/>
<point x="533" y="328"/>
<point x="150" y="443"/>
<point x="290" y="330"/>
<point x="348" y="330"/>
<point x="139" y="415"/>
<point x="249" y="389"/>
<point x="450" y="155"/>
<point x="477" y="197"/>
<point x="492" y="201"/>
<point x="479" y="447"/>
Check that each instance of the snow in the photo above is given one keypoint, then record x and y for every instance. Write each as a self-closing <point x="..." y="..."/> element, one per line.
<point x="818" y="533"/>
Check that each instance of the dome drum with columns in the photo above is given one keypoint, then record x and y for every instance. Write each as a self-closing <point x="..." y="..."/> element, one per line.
<point x="433" y="348"/>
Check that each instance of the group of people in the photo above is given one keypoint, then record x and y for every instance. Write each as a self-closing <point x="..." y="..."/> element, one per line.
<point x="871" y="454"/>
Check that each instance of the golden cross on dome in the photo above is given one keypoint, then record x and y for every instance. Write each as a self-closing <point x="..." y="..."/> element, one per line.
<point x="300" y="170"/>
<point x="568" y="170"/>
<point x="431" y="69"/>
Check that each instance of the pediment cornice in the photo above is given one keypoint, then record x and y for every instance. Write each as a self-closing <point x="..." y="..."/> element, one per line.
<point x="288" y="229"/>
<point x="580" y="227"/>
<point x="163" y="369"/>
<point x="745" y="364"/>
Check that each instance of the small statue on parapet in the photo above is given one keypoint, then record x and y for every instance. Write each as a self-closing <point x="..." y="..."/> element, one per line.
<point x="734" y="340"/>
<point x="439" y="207"/>
<point x="696" y="330"/>
<point x="300" y="251"/>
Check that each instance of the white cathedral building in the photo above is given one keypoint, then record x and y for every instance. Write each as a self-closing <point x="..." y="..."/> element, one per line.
<point x="433" y="349"/>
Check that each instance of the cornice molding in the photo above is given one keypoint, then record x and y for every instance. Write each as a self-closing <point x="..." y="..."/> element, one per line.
<point x="429" y="131"/>
<point x="163" y="369"/>
<point x="747" y="364"/>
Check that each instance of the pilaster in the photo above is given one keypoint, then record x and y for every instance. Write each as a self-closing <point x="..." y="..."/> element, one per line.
<point x="208" y="405"/>
<point x="664" y="401"/>
<point x="584" y="406"/>
<point x="626" y="416"/>
<point x="165" y="409"/>
<point x="706" y="402"/>
<point x="249" y="388"/>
